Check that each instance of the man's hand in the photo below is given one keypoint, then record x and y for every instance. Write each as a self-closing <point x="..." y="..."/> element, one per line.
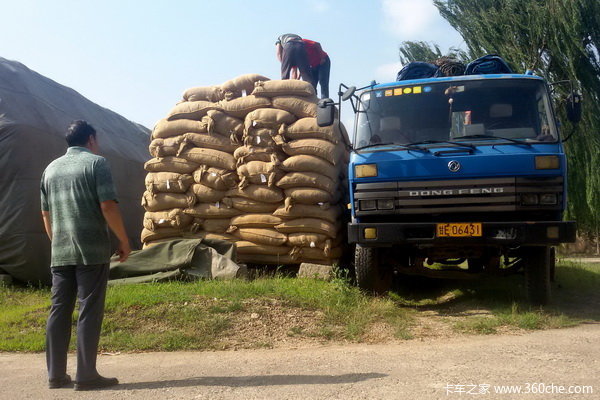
<point x="110" y="211"/>
<point x="123" y="251"/>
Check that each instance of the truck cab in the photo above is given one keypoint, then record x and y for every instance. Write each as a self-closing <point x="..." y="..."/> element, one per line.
<point x="465" y="170"/>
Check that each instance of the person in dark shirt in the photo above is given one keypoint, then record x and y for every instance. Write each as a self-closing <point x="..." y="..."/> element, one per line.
<point x="292" y="54"/>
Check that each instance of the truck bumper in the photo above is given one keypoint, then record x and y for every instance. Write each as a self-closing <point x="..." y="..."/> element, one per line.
<point x="493" y="233"/>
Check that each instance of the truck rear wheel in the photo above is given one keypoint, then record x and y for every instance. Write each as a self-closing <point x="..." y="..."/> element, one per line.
<point x="370" y="276"/>
<point x="538" y="269"/>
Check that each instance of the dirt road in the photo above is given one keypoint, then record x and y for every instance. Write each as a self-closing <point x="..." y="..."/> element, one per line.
<point x="433" y="369"/>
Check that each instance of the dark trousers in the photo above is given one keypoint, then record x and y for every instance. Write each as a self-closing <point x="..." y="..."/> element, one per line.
<point x="321" y="76"/>
<point x="88" y="283"/>
<point x="294" y="55"/>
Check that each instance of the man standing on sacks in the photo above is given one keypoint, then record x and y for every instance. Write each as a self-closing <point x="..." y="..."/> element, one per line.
<point x="78" y="200"/>
<point x="292" y="54"/>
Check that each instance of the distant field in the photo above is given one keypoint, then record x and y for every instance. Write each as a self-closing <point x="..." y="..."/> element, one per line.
<point x="285" y="312"/>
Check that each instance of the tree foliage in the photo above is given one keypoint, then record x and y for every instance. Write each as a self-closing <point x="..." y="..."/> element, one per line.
<point x="559" y="40"/>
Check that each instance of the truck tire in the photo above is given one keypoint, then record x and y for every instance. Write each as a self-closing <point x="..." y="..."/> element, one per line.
<point x="537" y="274"/>
<point x="367" y="267"/>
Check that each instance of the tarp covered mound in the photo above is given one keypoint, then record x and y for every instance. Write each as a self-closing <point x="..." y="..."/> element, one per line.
<point x="34" y="115"/>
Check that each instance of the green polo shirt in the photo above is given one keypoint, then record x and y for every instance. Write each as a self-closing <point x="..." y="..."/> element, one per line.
<point x="72" y="188"/>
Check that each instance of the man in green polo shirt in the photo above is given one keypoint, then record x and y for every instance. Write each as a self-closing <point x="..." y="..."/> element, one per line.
<point x="78" y="202"/>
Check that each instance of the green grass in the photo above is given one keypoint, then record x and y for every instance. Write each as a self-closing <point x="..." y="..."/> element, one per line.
<point x="208" y="315"/>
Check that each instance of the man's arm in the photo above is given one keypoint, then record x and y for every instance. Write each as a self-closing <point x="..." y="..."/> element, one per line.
<point x="47" y="223"/>
<point x="279" y="51"/>
<point x="111" y="213"/>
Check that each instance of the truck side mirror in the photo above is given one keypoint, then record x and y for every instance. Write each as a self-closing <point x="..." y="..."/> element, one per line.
<point x="573" y="107"/>
<point x="325" y="112"/>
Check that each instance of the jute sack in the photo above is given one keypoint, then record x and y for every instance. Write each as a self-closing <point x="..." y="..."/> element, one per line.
<point x="223" y="124"/>
<point x="313" y="147"/>
<point x="246" y="247"/>
<point x="209" y="235"/>
<point x="241" y="106"/>
<point x="210" y="158"/>
<point x="160" y="233"/>
<point x="307" y="128"/>
<point x="259" y="193"/>
<point x="168" y="182"/>
<point x="217" y="210"/>
<point x="241" y="85"/>
<point x="304" y="163"/>
<point x="312" y="254"/>
<point x="287" y="87"/>
<point x="213" y="225"/>
<point x="312" y="240"/>
<point x="164" y="128"/>
<point x="174" y="218"/>
<point x="308" y="196"/>
<point x="170" y="164"/>
<point x="250" y="206"/>
<point x="193" y="110"/>
<point x="246" y="154"/>
<point x="203" y="140"/>
<point x="262" y="137"/>
<point x="301" y="107"/>
<point x="165" y="147"/>
<point x="216" y="178"/>
<point x="266" y="259"/>
<point x="268" y="118"/>
<point x="258" y="172"/>
<point x="310" y="225"/>
<point x="167" y="201"/>
<point x="269" y="237"/>
<point x="204" y="93"/>
<point x="330" y="213"/>
<point x="206" y="194"/>
<point x="306" y="179"/>
<point x="254" y="221"/>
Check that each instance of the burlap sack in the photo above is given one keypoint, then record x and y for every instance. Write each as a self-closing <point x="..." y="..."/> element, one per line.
<point x="160" y="233"/>
<point x="266" y="259"/>
<point x="250" y="206"/>
<point x="311" y="240"/>
<point x="308" y="196"/>
<point x="259" y="193"/>
<point x="223" y="124"/>
<point x="165" y="147"/>
<point x="268" y="118"/>
<point x="241" y="106"/>
<point x="306" y="179"/>
<point x="309" y="225"/>
<point x="193" y="110"/>
<point x="210" y="158"/>
<point x="168" y="182"/>
<point x="246" y="154"/>
<point x="165" y="128"/>
<point x="254" y="221"/>
<point x="241" y="85"/>
<point x="203" y="140"/>
<point x="329" y="213"/>
<point x="313" y="147"/>
<point x="170" y="164"/>
<point x="206" y="194"/>
<point x="174" y="218"/>
<point x="288" y="87"/>
<point x="209" y="235"/>
<point x="216" y="178"/>
<point x="216" y="210"/>
<point x="261" y="138"/>
<point x="246" y="247"/>
<point x="167" y="201"/>
<point x="269" y="237"/>
<point x="203" y="93"/>
<point x="308" y="254"/>
<point x="301" y="107"/>
<point x="212" y="225"/>
<point x="304" y="163"/>
<point x="307" y="128"/>
<point x="258" y="172"/>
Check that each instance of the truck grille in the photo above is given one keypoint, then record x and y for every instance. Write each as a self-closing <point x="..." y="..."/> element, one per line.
<point x="456" y="196"/>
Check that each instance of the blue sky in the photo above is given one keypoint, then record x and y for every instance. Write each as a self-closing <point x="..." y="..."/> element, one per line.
<point x="136" y="58"/>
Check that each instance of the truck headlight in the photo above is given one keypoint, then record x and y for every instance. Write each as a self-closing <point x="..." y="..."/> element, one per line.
<point x="547" y="162"/>
<point x="529" y="199"/>
<point x="367" y="205"/>
<point x="548" y="199"/>
<point x="385" y="204"/>
<point x="365" y="170"/>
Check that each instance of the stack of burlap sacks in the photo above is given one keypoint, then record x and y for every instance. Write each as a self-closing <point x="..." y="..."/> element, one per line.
<point x="246" y="162"/>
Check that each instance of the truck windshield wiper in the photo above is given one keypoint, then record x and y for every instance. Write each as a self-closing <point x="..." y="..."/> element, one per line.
<point x="518" y="141"/>
<point x="444" y="141"/>
<point x="406" y="146"/>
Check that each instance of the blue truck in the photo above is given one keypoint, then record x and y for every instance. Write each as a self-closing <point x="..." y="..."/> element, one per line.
<point x="464" y="171"/>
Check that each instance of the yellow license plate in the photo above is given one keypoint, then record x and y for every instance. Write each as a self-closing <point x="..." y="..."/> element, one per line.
<point x="472" y="229"/>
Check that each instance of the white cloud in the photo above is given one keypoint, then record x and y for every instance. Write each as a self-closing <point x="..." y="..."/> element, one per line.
<point x="407" y="19"/>
<point x="387" y="72"/>
<point x="319" y="6"/>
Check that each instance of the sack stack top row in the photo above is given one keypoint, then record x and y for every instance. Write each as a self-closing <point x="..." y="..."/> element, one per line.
<point x="246" y="162"/>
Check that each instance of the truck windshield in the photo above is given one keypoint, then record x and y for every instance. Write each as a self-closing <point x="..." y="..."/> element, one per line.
<point x="461" y="111"/>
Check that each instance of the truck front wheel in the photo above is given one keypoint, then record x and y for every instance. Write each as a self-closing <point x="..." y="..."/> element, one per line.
<point x="370" y="275"/>
<point x="538" y="270"/>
